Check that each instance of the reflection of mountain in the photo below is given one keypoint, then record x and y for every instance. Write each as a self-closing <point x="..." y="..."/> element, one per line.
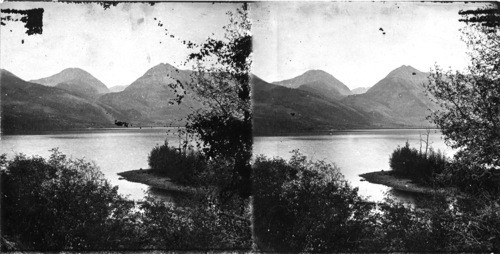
<point x="76" y="81"/>
<point x="149" y="99"/>
<point x="319" y="83"/>
<point x="280" y="110"/>
<point x="28" y="106"/>
<point x="397" y="100"/>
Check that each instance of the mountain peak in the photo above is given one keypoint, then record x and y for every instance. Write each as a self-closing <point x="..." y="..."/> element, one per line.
<point x="75" y="72"/>
<point x="163" y="66"/>
<point x="74" y="69"/>
<point x="404" y="70"/>
<point x="75" y="77"/>
<point x="161" y="69"/>
<point x="316" y="71"/>
<point x="319" y="82"/>
<point x="6" y="72"/>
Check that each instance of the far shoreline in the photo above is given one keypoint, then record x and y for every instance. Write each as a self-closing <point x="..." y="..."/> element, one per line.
<point x="255" y="134"/>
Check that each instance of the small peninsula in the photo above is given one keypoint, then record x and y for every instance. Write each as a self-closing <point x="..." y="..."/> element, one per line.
<point x="389" y="179"/>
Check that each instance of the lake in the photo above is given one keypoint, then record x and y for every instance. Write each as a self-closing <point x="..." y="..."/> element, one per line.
<point x="355" y="152"/>
<point x="113" y="150"/>
<point x="117" y="150"/>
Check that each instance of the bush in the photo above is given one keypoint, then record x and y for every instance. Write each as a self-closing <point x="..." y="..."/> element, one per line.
<point x="181" y="166"/>
<point x="441" y="227"/>
<point x="200" y="227"/>
<point x="301" y="205"/>
<point x="470" y="177"/>
<point x="409" y="162"/>
<point x="61" y="204"/>
<point x="304" y="206"/>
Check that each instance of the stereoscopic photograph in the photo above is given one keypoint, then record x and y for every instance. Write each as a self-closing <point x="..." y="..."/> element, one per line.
<point x="268" y="126"/>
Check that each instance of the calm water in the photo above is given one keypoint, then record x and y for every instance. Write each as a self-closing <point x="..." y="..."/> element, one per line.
<point x="113" y="150"/>
<point x="354" y="152"/>
<point x="117" y="150"/>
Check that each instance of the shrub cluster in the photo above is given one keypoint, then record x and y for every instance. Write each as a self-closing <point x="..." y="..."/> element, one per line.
<point x="60" y="204"/>
<point x="470" y="177"/>
<point x="203" y="226"/>
<point x="301" y="205"/>
<point x="64" y="204"/>
<point x="304" y="206"/>
<point x="441" y="227"/>
<point x="181" y="165"/>
<point x="409" y="162"/>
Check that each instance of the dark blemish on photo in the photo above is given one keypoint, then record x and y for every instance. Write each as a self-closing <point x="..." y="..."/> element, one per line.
<point x="33" y="19"/>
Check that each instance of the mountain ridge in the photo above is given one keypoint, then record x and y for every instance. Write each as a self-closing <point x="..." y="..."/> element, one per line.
<point x="75" y="80"/>
<point x="399" y="98"/>
<point x="27" y="106"/>
<point x="280" y="110"/>
<point x="151" y="100"/>
<point x="318" y="82"/>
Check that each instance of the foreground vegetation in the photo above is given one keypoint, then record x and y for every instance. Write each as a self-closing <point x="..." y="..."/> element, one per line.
<point x="64" y="204"/>
<point x="300" y="205"/>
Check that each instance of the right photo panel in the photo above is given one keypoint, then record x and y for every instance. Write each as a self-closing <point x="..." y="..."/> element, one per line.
<point x="376" y="126"/>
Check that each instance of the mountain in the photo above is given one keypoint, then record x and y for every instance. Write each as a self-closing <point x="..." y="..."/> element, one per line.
<point x="150" y="100"/>
<point x="28" y="106"/>
<point x="76" y="81"/>
<point x="281" y="110"/>
<point x="318" y="82"/>
<point x="360" y="90"/>
<point x="399" y="99"/>
<point x="116" y="89"/>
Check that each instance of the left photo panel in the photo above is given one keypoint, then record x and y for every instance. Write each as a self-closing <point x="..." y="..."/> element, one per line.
<point x="125" y="126"/>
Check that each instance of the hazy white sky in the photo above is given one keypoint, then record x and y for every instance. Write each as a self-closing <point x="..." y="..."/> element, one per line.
<point x="345" y="40"/>
<point x="120" y="44"/>
<point x="117" y="45"/>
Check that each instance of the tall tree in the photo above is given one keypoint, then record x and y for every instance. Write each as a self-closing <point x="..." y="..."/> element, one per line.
<point x="470" y="100"/>
<point x="221" y="82"/>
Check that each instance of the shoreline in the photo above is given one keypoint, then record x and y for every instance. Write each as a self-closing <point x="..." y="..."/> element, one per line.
<point x="256" y="134"/>
<point x="147" y="177"/>
<point x="403" y="184"/>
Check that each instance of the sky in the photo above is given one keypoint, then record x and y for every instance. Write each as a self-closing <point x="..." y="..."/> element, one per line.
<point x="120" y="44"/>
<point x="117" y="45"/>
<point x="345" y="38"/>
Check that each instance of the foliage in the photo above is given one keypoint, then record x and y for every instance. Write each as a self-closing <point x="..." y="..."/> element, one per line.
<point x="441" y="226"/>
<point x="470" y="101"/>
<point x="182" y="167"/>
<point x="470" y="178"/>
<point x="61" y="204"/>
<point x="203" y="226"/>
<point x="306" y="206"/>
<point x="469" y="117"/>
<point x="64" y="204"/>
<point x="221" y="83"/>
<point x="301" y="205"/>
<point x="422" y="167"/>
